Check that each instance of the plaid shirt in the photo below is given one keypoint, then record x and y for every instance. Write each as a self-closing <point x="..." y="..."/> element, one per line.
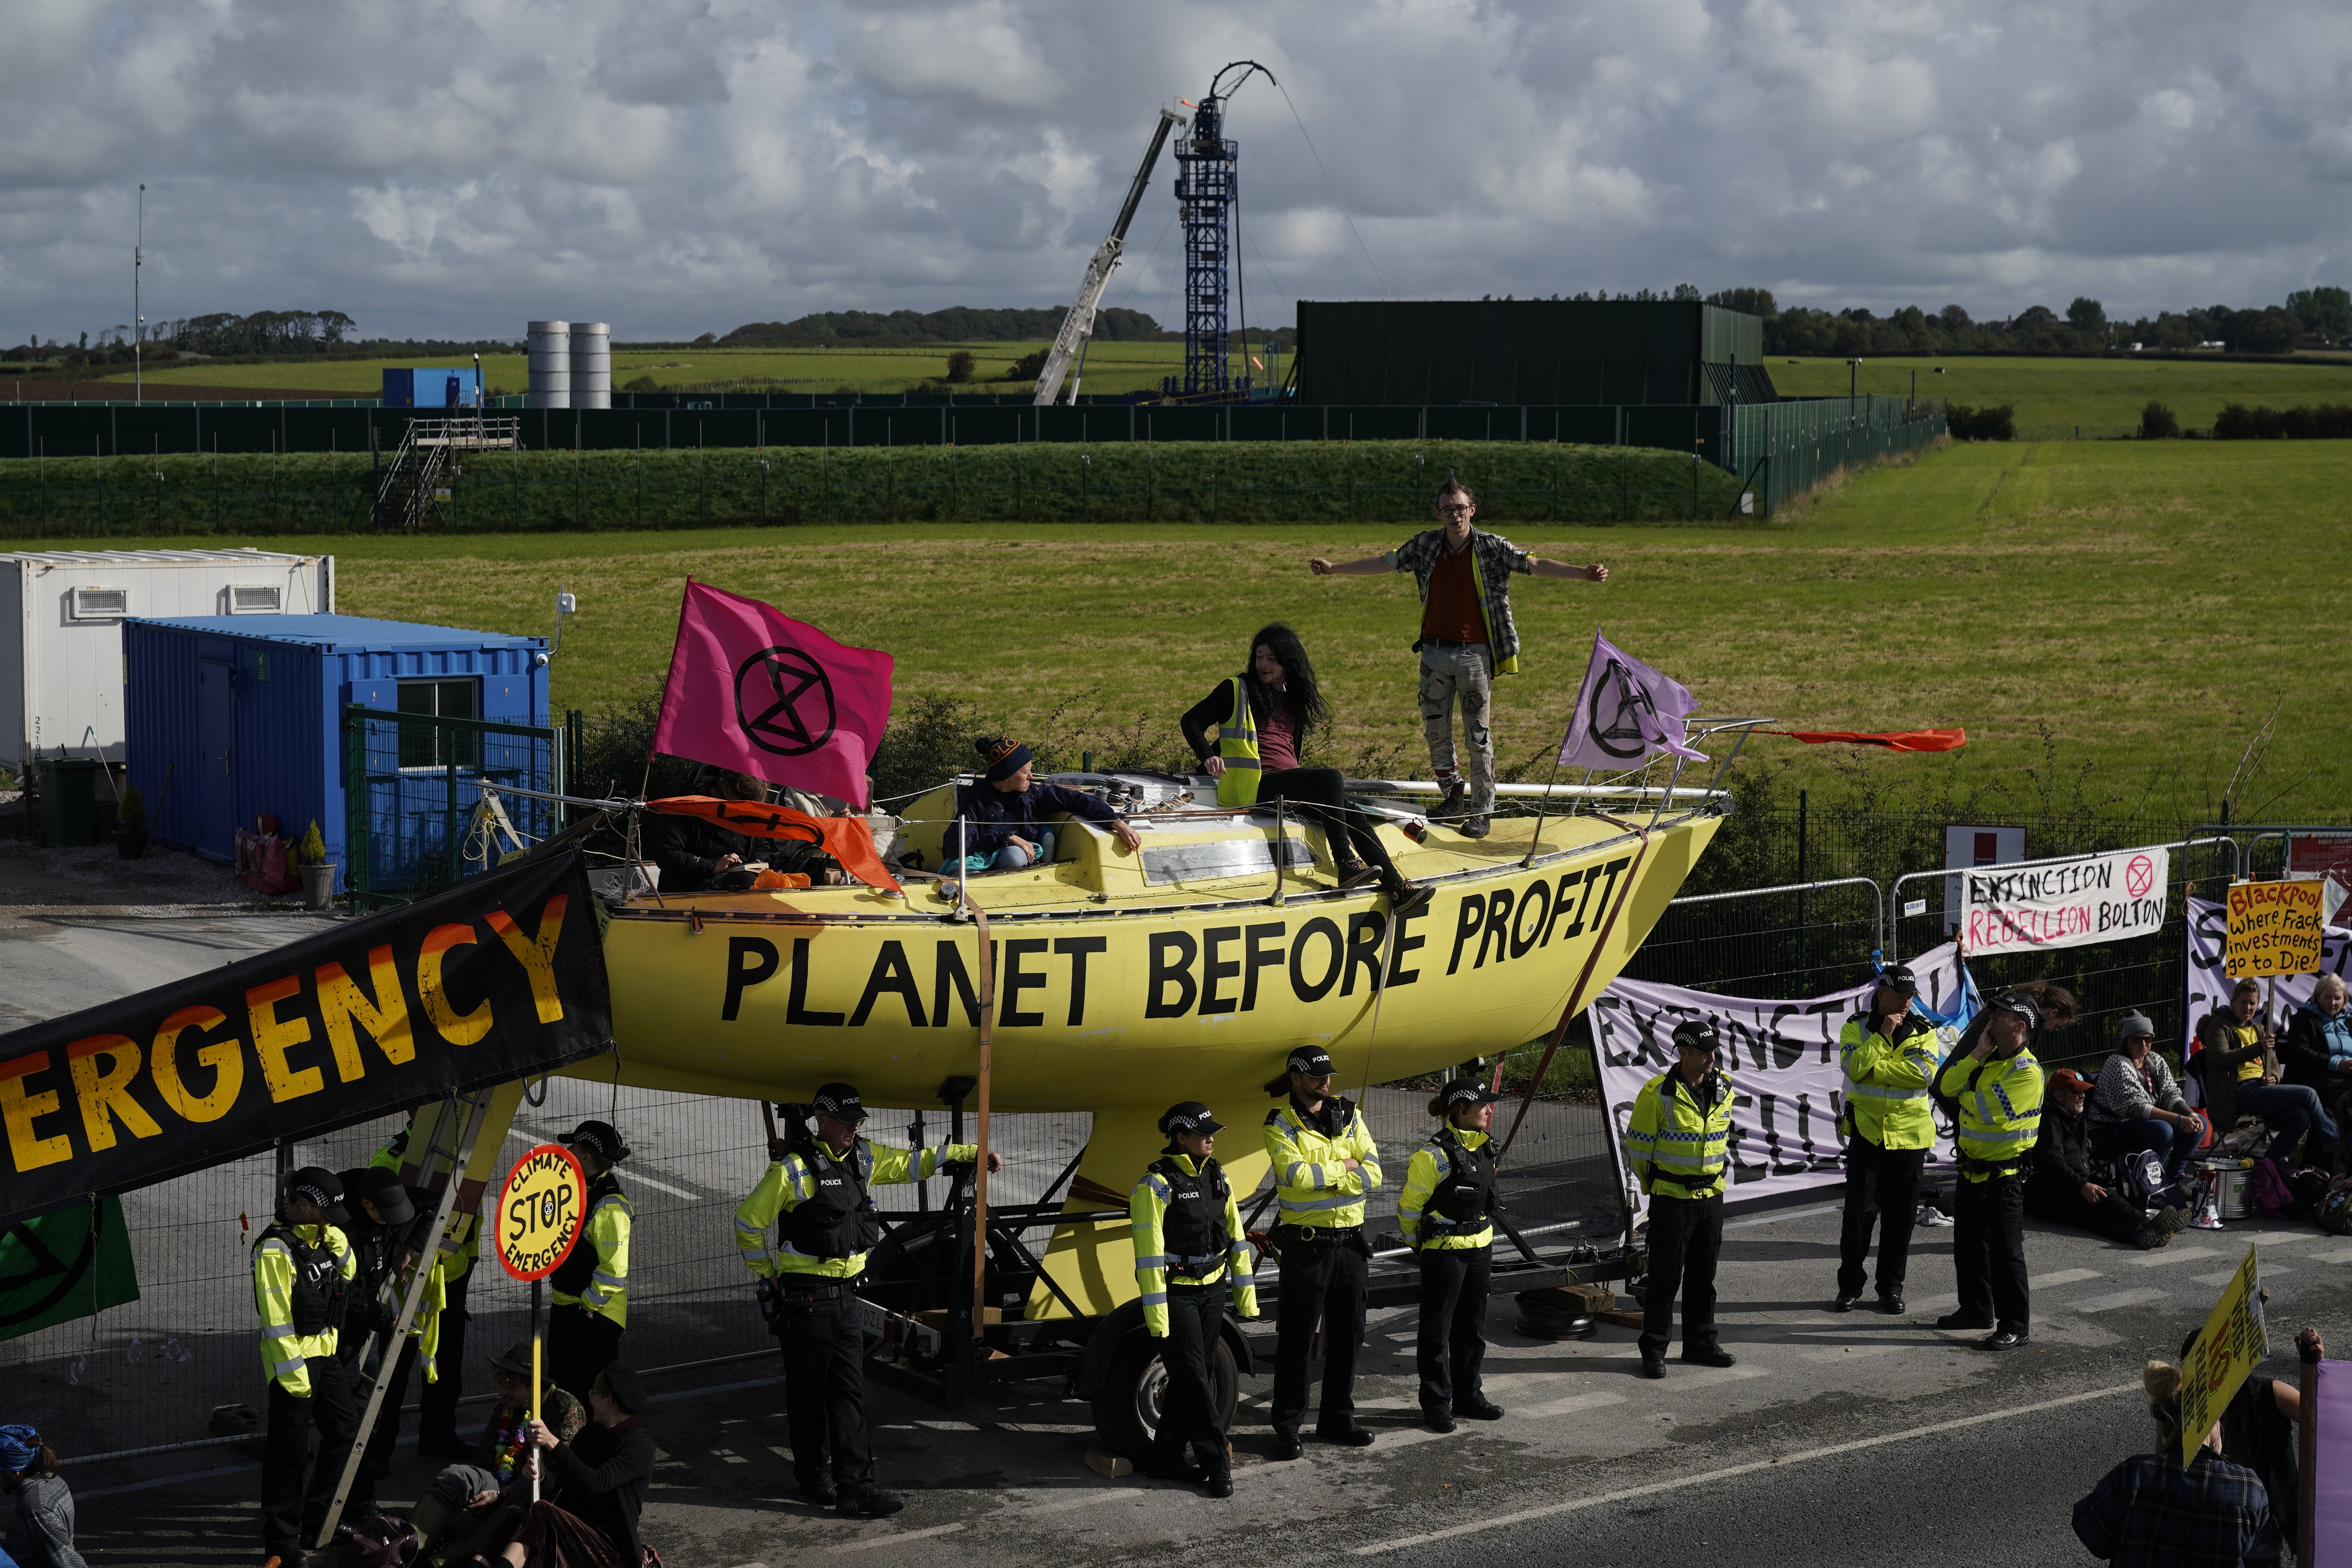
<point x="2150" y="1511"/>
<point x="1495" y="558"/>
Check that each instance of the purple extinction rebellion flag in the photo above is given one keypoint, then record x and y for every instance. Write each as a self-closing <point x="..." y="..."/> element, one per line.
<point x="1626" y="714"/>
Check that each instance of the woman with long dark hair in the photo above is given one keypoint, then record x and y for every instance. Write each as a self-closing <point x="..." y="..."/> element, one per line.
<point x="1250" y="734"/>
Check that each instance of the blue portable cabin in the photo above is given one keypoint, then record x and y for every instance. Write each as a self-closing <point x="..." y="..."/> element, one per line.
<point x="246" y="716"/>
<point x="431" y="388"/>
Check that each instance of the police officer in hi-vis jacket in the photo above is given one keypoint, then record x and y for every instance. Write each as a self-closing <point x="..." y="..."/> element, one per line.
<point x="1324" y="1164"/>
<point x="1890" y="1055"/>
<point x="302" y="1269"/>
<point x="1190" y="1255"/>
<point x="1446" y="1213"/>
<point x="590" y="1288"/>
<point x="1679" y="1142"/>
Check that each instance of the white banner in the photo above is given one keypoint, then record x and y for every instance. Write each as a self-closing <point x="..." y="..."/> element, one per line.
<point x="1782" y="1059"/>
<point x="2099" y="898"/>
<point x="2209" y="983"/>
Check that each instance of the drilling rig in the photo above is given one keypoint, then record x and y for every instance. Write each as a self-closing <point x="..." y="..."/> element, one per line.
<point x="1206" y="189"/>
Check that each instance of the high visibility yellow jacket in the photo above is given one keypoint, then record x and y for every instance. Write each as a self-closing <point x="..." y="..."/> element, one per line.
<point x="1237" y="744"/>
<point x="1676" y="1149"/>
<point x="790" y="1183"/>
<point x="1311" y="1188"/>
<point x="605" y="1243"/>
<point x="461" y="1238"/>
<point x="1155" y="1269"/>
<point x="1430" y="1165"/>
<point x="1999" y="1112"/>
<point x="1886" y="1081"/>
<point x="286" y="1354"/>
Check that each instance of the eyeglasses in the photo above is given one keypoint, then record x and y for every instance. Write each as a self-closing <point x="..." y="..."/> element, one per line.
<point x="1457" y="511"/>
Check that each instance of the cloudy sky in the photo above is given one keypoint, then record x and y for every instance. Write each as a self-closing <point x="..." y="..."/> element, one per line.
<point x="676" y="166"/>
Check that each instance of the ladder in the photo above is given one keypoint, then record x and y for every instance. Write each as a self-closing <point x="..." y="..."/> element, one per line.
<point x="426" y="463"/>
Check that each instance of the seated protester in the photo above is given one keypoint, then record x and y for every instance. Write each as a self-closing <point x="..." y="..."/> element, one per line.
<point x="41" y="1534"/>
<point x="2318" y="1049"/>
<point x="2153" y="1511"/>
<point x="2138" y="1105"/>
<point x="698" y="856"/>
<point x="2236" y="1063"/>
<point x="460" y="1499"/>
<point x="2258" y="1432"/>
<point x="2060" y="1186"/>
<point x="1002" y="815"/>
<point x="595" y="1488"/>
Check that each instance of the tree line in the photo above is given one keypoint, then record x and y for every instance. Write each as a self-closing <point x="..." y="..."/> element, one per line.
<point x="917" y="329"/>
<point x="2311" y="318"/>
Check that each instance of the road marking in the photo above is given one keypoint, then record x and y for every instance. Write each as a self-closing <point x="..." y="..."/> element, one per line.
<point x="637" y="1178"/>
<point x="2052" y="1281"/>
<point x="2343" y="1255"/>
<point x="168" y="1480"/>
<point x="1574" y="1402"/>
<point x="1838" y="1353"/>
<point x="1093" y="1496"/>
<point x="2288" y="1238"/>
<point x="2223" y="1277"/>
<point x="1771" y="1218"/>
<point x="2114" y="1299"/>
<point x="1680" y="1483"/>
<point x="2184" y="1254"/>
<point x="895" y="1537"/>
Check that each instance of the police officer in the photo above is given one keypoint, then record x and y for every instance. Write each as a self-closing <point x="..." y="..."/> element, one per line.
<point x="1679" y="1139"/>
<point x="1324" y="1164"/>
<point x="590" y="1289"/>
<point x="1188" y="1241"/>
<point x="385" y="1234"/>
<point x="302" y="1269"/>
<point x="814" y="1193"/>
<point x="454" y="1259"/>
<point x="1889" y="1054"/>
<point x="1446" y="1213"/>
<point x="1996" y="1087"/>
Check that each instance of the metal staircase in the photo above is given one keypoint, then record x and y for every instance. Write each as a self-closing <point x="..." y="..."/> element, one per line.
<point x="427" y="464"/>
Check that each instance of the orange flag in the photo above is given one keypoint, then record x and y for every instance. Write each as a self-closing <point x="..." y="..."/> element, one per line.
<point x="847" y="839"/>
<point x="1892" y="740"/>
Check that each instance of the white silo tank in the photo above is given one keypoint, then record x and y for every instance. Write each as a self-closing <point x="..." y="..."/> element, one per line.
<point x="551" y="366"/>
<point x="591" y="365"/>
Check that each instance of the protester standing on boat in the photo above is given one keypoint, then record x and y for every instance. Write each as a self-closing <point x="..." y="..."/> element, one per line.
<point x="814" y="1194"/>
<point x="1889" y="1054"/>
<point x="1468" y="638"/>
<point x="1679" y="1142"/>
<point x="1324" y="1164"/>
<point x="1250" y="734"/>
<point x="1446" y="1213"/>
<point x="1000" y="817"/>
<point x="1190" y="1254"/>
<point x="1995" y="1087"/>
<point x="590" y="1288"/>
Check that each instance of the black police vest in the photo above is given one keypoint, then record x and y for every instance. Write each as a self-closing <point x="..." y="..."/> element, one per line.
<point x="1194" y="1228"/>
<point x="319" y="1292"/>
<point x="578" y="1271"/>
<point x="1466" y="1195"/>
<point x="836" y="1220"/>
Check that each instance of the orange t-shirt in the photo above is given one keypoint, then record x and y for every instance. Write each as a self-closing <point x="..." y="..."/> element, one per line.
<point x="1452" y="610"/>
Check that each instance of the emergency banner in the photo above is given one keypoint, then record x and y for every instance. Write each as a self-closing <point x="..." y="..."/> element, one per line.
<point x="2210" y="978"/>
<point x="64" y="1266"/>
<point x="2273" y="928"/>
<point x="1788" y="1088"/>
<point x="2064" y="903"/>
<point x="494" y="979"/>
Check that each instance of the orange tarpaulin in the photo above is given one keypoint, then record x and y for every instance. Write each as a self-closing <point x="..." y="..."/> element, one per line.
<point x="847" y="839"/>
<point x="1892" y="740"/>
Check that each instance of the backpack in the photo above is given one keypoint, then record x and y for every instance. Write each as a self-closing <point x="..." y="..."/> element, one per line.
<point x="2335" y="1212"/>
<point x="2143" y="1176"/>
<point x="381" y="1541"/>
<point x="2268" y="1190"/>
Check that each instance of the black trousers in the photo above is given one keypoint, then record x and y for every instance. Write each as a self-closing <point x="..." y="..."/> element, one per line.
<point x="1188" y="1414"/>
<point x="381" y="1441"/>
<point x="2118" y="1219"/>
<point x="1321" y="793"/>
<point x="1989" y="1250"/>
<point x="295" y="1492"/>
<point x="436" y="1402"/>
<point x="825" y="1388"/>
<point x="1322" y="1286"/>
<point x="580" y="1344"/>
<point x="1881" y="1188"/>
<point x="1452" y="1344"/>
<point x="1685" y="1239"/>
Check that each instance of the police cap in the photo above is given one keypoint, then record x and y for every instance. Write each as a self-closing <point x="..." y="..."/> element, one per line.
<point x="840" y="1101"/>
<point x="1697" y="1035"/>
<point x="1191" y="1116"/>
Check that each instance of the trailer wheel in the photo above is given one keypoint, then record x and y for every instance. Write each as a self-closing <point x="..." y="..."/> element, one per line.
<point x="1134" y="1390"/>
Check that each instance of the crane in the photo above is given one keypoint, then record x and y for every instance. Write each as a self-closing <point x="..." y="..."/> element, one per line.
<point x="1068" y="354"/>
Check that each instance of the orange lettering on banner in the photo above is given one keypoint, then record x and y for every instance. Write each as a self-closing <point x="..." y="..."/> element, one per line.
<point x="273" y="1036"/>
<point x="105" y="1096"/>
<point x="458" y="1028"/>
<point x="386" y="1018"/>
<point x="537" y="957"/>
<point x="18" y="1109"/>
<point x="222" y="1056"/>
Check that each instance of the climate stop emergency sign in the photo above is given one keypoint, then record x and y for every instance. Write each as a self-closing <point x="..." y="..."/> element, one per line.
<point x="541" y="1210"/>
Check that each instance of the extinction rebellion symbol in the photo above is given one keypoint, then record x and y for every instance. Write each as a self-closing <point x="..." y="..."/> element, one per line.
<point x="2139" y="876"/>
<point x="783" y="702"/>
<point x="1622" y="734"/>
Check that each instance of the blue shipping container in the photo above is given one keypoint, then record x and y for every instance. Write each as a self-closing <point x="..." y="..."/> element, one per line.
<point x="245" y="714"/>
<point x="430" y="388"/>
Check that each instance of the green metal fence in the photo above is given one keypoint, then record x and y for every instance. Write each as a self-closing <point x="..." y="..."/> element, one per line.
<point x="1783" y="449"/>
<point x="412" y="794"/>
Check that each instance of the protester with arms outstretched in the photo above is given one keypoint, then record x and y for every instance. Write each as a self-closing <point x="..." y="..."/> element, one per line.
<point x="1468" y="638"/>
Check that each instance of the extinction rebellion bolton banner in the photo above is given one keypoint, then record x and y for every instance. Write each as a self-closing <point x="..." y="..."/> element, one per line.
<point x="497" y="977"/>
<point x="1786" y="1082"/>
<point x="2064" y="903"/>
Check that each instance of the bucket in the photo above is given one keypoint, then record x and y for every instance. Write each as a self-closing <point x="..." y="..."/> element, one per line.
<point x="2236" y="1201"/>
<point x="319" y="885"/>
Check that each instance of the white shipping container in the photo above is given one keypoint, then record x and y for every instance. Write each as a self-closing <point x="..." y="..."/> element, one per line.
<point x="61" y="652"/>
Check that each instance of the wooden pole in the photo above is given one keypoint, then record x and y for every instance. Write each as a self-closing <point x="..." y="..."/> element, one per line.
<point x="979" y="1166"/>
<point x="537" y="1375"/>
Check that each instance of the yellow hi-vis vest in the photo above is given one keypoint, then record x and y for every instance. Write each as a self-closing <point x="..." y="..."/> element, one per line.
<point x="1676" y="1150"/>
<point x="1886" y="1081"/>
<point x="1237" y="744"/>
<point x="1999" y="1112"/>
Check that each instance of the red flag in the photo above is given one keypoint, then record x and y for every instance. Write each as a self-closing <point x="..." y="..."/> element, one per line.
<point x="847" y="839"/>
<point x="753" y="689"/>
<point x="1892" y="740"/>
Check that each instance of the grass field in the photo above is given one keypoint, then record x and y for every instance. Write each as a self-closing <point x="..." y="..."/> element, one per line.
<point x="2139" y="606"/>
<point x="2056" y="398"/>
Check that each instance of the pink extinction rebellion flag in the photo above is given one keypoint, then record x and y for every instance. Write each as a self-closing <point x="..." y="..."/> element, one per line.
<point x="753" y="689"/>
<point x="1625" y="714"/>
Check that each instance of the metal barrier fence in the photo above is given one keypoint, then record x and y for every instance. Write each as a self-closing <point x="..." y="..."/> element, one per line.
<point x="412" y="793"/>
<point x="1787" y="449"/>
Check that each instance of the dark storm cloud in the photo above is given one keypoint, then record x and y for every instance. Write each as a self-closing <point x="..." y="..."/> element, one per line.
<point x="681" y="165"/>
